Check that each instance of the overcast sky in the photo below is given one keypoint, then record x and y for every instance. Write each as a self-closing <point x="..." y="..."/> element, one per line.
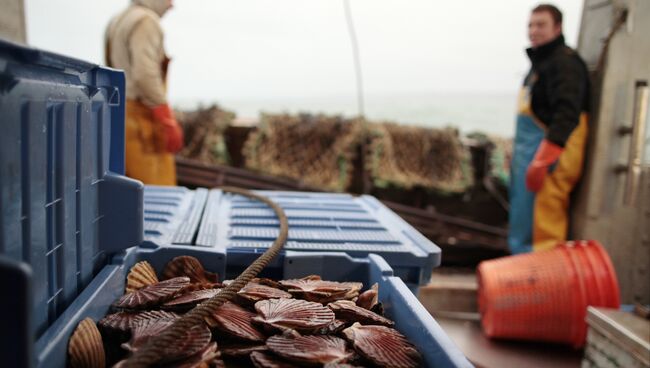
<point x="297" y="47"/>
<point x="255" y="49"/>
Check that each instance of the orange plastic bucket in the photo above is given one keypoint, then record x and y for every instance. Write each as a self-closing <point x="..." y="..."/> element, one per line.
<point x="544" y="296"/>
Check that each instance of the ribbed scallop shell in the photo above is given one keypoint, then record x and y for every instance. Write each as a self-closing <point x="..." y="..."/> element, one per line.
<point x="369" y="298"/>
<point x="254" y="292"/>
<point x="240" y="350"/>
<point x="195" y="339"/>
<point x="121" y="321"/>
<point x="310" y="349"/>
<point x="85" y="348"/>
<point x="152" y="295"/>
<point x="317" y="290"/>
<point x="266" y="360"/>
<point x="142" y="274"/>
<point x="350" y="312"/>
<point x="294" y="314"/>
<point x="190" y="267"/>
<point x="143" y="330"/>
<point x="383" y="346"/>
<point x="235" y="321"/>
<point x="191" y="299"/>
<point x="125" y="321"/>
<point x="204" y="358"/>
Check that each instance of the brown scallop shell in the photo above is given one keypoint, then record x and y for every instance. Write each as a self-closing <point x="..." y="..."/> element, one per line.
<point x="317" y="290"/>
<point x="254" y="292"/>
<point x="383" y="346"/>
<point x="201" y="286"/>
<point x="152" y="295"/>
<point x="235" y="321"/>
<point x="190" y="300"/>
<point x="190" y="267"/>
<point x="310" y="349"/>
<point x="143" y="330"/>
<point x="239" y="350"/>
<point x="125" y="321"/>
<point x="348" y="311"/>
<point x="266" y="360"/>
<point x="194" y="340"/>
<point x="369" y="298"/>
<point x="85" y="348"/>
<point x="294" y="314"/>
<point x="209" y="356"/>
<point x="142" y="274"/>
<point x="120" y="322"/>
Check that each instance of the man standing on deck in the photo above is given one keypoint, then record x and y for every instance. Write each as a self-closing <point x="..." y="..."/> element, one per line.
<point x="550" y="136"/>
<point x="134" y="43"/>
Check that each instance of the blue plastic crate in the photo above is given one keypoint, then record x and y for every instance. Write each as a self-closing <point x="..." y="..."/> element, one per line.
<point x="64" y="206"/>
<point x="172" y="214"/>
<point x="400" y="304"/>
<point x="318" y="222"/>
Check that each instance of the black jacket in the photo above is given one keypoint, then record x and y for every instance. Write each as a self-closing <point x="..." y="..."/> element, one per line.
<point x="560" y="88"/>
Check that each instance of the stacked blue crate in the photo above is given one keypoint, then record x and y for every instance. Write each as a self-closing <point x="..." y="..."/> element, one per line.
<point x="172" y="214"/>
<point x="65" y="208"/>
<point x="71" y="226"/>
<point x="318" y="222"/>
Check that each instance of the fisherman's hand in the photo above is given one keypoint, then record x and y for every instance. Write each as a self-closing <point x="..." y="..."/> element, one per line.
<point x="547" y="154"/>
<point x="164" y="116"/>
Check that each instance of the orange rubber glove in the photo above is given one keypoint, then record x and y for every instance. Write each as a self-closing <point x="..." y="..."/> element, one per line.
<point x="164" y="116"/>
<point x="547" y="154"/>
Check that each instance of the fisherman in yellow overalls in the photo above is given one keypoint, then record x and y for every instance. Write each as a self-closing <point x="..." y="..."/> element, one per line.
<point x="134" y="43"/>
<point x="550" y="137"/>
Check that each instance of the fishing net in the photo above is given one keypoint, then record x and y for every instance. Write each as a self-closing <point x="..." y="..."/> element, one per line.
<point x="204" y="130"/>
<point x="317" y="149"/>
<point x="500" y="155"/>
<point x="407" y="156"/>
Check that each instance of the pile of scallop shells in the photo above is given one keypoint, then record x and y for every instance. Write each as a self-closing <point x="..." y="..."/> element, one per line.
<point x="307" y="322"/>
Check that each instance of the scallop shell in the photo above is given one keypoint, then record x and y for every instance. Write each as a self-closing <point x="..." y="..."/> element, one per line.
<point x="201" y="286"/>
<point x="383" y="346"/>
<point x="369" y="298"/>
<point x="152" y="295"/>
<point x="294" y="314"/>
<point x="317" y="290"/>
<point x="121" y="321"/>
<point x="125" y="321"/>
<point x="143" y="330"/>
<point x="350" y="312"/>
<point x="310" y="349"/>
<point x="254" y="292"/>
<point x="155" y="315"/>
<point x="190" y="300"/>
<point x="237" y="351"/>
<point x="85" y="348"/>
<point x="142" y="274"/>
<point x="266" y="360"/>
<point x="190" y="267"/>
<point x="204" y="358"/>
<point x="235" y="321"/>
<point x="194" y="340"/>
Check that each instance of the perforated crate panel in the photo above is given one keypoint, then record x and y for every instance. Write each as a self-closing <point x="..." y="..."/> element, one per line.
<point x="357" y="226"/>
<point x="64" y="206"/>
<point x="172" y="214"/>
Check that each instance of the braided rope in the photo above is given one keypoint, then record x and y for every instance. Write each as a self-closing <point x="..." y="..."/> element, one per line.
<point x="152" y="351"/>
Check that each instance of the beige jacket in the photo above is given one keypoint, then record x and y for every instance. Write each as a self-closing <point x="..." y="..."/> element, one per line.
<point x="134" y="43"/>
